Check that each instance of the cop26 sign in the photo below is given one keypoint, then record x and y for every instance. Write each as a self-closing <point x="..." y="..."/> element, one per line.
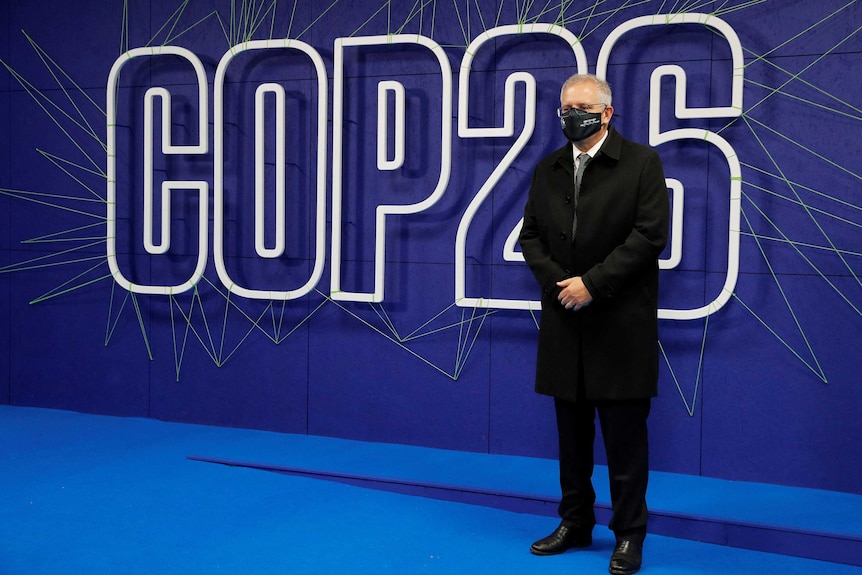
<point x="390" y="150"/>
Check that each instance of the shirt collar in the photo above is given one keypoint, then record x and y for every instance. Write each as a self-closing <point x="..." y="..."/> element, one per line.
<point x="594" y="150"/>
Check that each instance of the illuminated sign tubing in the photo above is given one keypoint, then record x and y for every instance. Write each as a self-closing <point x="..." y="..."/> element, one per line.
<point x="390" y="156"/>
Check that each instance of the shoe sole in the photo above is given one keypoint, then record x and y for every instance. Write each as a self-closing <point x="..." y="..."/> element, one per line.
<point x="623" y="571"/>
<point x="548" y="554"/>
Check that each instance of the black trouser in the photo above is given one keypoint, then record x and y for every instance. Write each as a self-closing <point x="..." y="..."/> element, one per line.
<point x="624" y="429"/>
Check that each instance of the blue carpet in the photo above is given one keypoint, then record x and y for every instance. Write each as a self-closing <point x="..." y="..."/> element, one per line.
<point x="85" y="494"/>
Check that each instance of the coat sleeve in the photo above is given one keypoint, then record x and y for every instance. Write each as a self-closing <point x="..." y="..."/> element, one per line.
<point x="534" y="245"/>
<point x="644" y="244"/>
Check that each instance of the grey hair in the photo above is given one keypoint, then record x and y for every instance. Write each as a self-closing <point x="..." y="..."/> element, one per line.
<point x="602" y="86"/>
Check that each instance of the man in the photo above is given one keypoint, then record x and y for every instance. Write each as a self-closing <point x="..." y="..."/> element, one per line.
<point x="594" y="227"/>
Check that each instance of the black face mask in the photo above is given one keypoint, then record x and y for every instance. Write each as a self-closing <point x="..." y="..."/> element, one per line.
<point x="578" y="125"/>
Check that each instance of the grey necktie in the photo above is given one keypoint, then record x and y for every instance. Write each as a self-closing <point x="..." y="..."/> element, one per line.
<point x="583" y="160"/>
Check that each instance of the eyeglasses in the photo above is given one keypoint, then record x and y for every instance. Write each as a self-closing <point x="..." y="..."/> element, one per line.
<point x="581" y="110"/>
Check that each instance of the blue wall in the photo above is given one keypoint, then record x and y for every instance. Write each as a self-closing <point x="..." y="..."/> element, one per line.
<point x="764" y="389"/>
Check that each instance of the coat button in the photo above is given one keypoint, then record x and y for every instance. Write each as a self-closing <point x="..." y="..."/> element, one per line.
<point x="568" y="199"/>
<point x="562" y="235"/>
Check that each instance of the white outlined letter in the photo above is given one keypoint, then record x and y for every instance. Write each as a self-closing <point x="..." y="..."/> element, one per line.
<point x="337" y="162"/>
<point x="167" y="148"/>
<point x="320" y="205"/>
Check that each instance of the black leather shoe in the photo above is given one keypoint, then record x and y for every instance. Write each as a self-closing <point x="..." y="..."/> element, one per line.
<point x="626" y="558"/>
<point x="562" y="539"/>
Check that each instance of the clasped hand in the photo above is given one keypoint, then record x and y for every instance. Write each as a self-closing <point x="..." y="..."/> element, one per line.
<point x="574" y="294"/>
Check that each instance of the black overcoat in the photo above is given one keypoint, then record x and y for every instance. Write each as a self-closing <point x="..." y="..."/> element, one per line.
<point x="623" y="216"/>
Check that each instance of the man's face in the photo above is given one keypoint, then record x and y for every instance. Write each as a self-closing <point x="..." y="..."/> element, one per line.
<point x="585" y="96"/>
